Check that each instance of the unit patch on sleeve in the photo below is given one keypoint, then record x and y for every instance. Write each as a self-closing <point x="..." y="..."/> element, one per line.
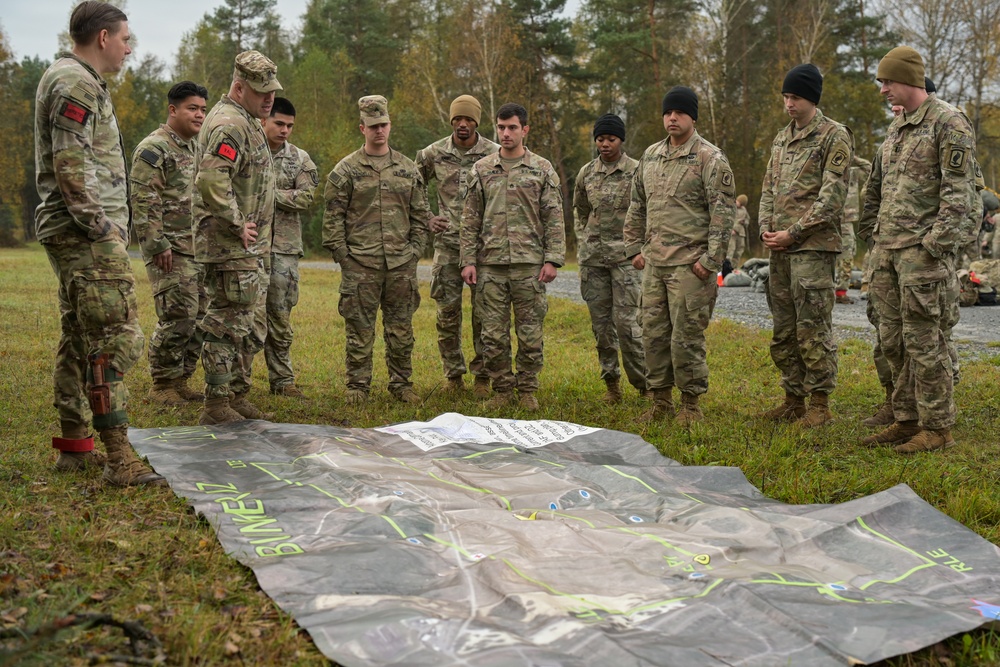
<point x="75" y="112"/>
<point x="227" y="150"/>
<point x="957" y="155"/>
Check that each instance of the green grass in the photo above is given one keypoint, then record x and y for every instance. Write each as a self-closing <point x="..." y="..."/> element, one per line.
<point x="71" y="545"/>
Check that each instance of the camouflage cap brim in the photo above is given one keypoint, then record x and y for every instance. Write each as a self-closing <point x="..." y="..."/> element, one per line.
<point x="374" y="120"/>
<point x="271" y="86"/>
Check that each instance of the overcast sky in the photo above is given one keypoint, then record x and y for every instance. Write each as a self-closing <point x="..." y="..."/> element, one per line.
<point x="32" y="26"/>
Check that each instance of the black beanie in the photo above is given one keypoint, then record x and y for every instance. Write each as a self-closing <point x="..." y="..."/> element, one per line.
<point x="804" y="81"/>
<point x="683" y="99"/>
<point x="929" y="85"/>
<point x="610" y="124"/>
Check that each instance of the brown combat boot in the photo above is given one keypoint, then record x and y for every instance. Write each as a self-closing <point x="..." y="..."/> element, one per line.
<point x="689" y="413"/>
<point x="613" y="395"/>
<point x="76" y="449"/>
<point x="186" y="392"/>
<point x="663" y="405"/>
<point x="407" y="395"/>
<point x="883" y="417"/>
<point x="896" y="433"/>
<point x="527" y="401"/>
<point x="844" y="299"/>
<point x="481" y="389"/>
<point x="217" y="411"/>
<point x="927" y="441"/>
<point x="164" y="392"/>
<point x="456" y="385"/>
<point x="288" y="390"/>
<point x="818" y="412"/>
<point x="356" y="396"/>
<point x="123" y="467"/>
<point x="793" y="408"/>
<point x="501" y="399"/>
<point x="248" y="409"/>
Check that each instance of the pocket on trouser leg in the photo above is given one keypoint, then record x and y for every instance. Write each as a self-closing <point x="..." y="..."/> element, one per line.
<point x="700" y="304"/>
<point x="924" y="300"/>
<point x="241" y="287"/>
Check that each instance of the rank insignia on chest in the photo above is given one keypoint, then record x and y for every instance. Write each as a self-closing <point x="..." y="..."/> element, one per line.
<point x="75" y="112"/>
<point x="227" y="151"/>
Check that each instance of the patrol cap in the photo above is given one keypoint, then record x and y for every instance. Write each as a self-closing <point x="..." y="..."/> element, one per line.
<point x="257" y="70"/>
<point x="374" y="110"/>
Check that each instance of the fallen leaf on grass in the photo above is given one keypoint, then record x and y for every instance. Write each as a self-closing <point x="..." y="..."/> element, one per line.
<point x="10" y="616"/>
<point x="231" y="648"/>
<point x="143" y="608"/>
<point x="98" y="597"/>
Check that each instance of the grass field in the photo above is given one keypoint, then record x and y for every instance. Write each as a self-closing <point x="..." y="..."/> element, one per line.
<point x="69" y="545"/>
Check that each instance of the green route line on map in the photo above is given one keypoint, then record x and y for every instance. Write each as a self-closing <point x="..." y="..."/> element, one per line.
<point x="927" y="561"/>
<point x="456" y="484"/>
<point x="628" y="476"/>
<point x="662" y="542"/>
<point x="494" y="451"/>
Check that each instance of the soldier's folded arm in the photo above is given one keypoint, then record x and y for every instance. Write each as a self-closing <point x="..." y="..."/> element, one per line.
<point x="147" y="182"/>
<point x="828" y="209"/>
<point x="337" y="195"/>
<point x="953" y="225"/>
<point x="871" y="200"/>
<point x="553" y="222"/>
<point x="303" y="195"/>
<point x="720" y="191"/>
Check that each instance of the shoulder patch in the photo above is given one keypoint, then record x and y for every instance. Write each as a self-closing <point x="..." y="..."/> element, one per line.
<point x="337" y="179"/>
<point x="150" y="157"/>
<point x="839" y="157"/>
<point x="724" y="179"/>
<point x="226" y="150"/>
<point x="74" y="112"/>
<point x="957" y="158"/>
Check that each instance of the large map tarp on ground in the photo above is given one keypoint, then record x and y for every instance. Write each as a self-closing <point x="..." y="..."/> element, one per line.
<point x="468" y="541"/>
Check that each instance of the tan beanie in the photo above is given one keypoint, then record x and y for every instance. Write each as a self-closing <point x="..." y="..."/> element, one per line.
<point x="904" y="65"/>
<point x="468" y="106"/>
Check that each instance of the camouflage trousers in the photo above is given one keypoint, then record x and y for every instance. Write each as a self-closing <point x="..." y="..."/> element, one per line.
<point x="881" y="363"/>
<point x="227" y="327"/>
<point x="282" y="296"/>
<point x="258" y="332"/>
<point x="916" y="297"/>
<point x="612" y="295"/>
<point x="677" y="306"/>
<point x="98" y="315"/>
<point x="737" y="242"/>
<point x="845" y="260"/>
<point x="180" y="300"/>
<point x="363" y="291"/>
<point x="446" y="290"/>
<point x="501" y="289"/>
<point x="800" y="294"/>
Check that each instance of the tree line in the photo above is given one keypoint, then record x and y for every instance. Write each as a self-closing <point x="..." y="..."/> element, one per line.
<point x="617" y="56"/>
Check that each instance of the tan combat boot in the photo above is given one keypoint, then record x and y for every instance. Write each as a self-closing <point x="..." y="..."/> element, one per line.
<point x="217" y="411"/>
<point x="356" y="396"/>
<point x="527" y="401"/>
<point x="793" y="408"/>
<point x="76" y="449"/>
<point x="123" y="467"/>
<point x="663" y="405"/>
<point x="407" y="395"/>
<point x="883" y="417"/>
<point x="248" y="409"/>
<point x="927" y="441"/>
<point x="689" y="413"/>
<point x="164" y="392"/>
<point x="500" y="399"/>
<point x="613" y="395"/>
<point x="288" y="390"/>
<point x="896" y="433"/>
<point x="818" y="412"/>
<point x="186" y="392"/>
<point x="456" y="385"/>
<point x="481" y="389"/>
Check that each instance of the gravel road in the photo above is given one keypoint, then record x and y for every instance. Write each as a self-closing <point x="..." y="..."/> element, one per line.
<point x="978" y="326"/>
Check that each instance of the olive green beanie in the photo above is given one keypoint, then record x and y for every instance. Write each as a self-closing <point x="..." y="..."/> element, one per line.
<point x="903" y="65"/>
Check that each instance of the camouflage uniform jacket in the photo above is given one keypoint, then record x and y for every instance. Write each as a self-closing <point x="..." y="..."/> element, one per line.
<point x="446" y="163"/>
<point x="600" y="202"/>
<point x="234" y="186"/>
<point x="513" y="217"/>
<point x="922" y="183"/>
<point x="79" y="157"/>
<point x="296" y="179"/>
<point x="805" y="184"/>
<point x="683" y="205"/>
<point x="375" y="216"/>
<point x="162" y="178"/>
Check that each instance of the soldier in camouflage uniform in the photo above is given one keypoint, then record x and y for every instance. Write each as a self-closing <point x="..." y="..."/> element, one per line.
<point x="233" y="212"/>
<point x="801" y="208"/>
<point x="677" y="230"/>
<point x="296" y="180"/>
<point x="513" y="239"/>
<point x="609" y="283"/>
<point x="741" y="226"/>
<point x="917" y="208"/>
<point x="162" y="184"/>
<point x="82" y="222"/>
<point x="857" y="175"/>
<point x="375" y="224"/>
<point x="449" y="161"/>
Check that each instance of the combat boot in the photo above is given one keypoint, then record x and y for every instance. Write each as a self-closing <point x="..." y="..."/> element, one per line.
<point x="818" y="412"/>
<point x="217" y="411"/>
<point x="356" y="396"/>
<point x="123" y="467"/>
<point x="613" y="395"/>
<point x="164" y="392"/>
<point x="76" y="449"/>
<point x="248" y="409"/>
<point x="883" y="417"/>
<point x="844" y="299"/>
<point x="927" y="441"/>
<point x="407" y="395"/>
<point x="186" y="392"/>
<point x="481" y="389"/>
<point x="793" y="408"/>
<point x="689" y="413"/>
<point x="527" y="401"/>
<point x="896" y="433"/>
<point x="501" y="399"/>
<point x="456" y="384"/>
<point x="663" y="405"/>
<point x="288" y="390"/>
